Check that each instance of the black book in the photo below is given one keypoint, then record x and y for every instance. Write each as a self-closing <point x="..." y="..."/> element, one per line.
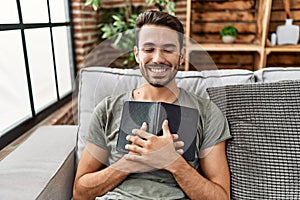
<point x="182" y="121"/>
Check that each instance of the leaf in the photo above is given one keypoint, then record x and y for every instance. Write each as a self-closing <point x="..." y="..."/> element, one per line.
<point x="118" y="39"/>
<point x="116" y="17"/>
<point x="88" y="2"/>
<point x="105" y="36"/>
<point x="95" y="4"/>
<point x="107" y="31"/>
<point x="132" y="20"/>
<point x="171" y="6"/>
<point x="149" y="1"/>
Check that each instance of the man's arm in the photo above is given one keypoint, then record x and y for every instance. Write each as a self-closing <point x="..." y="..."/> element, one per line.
<point x="215" y="184"/>
<point x="93" y="178"/>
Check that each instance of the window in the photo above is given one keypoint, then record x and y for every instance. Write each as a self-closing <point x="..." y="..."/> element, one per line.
<point x="36" y="63"/>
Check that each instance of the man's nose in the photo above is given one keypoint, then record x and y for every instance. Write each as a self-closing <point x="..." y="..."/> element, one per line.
<point x="158" y="56"/>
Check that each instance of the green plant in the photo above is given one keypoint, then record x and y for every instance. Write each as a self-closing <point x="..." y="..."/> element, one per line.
<point x="120" y="29"/>
<point x="163" y="5"/>
<point x="118" y="25"/>
<point x="229" y="30"/>
<point x="93" y="3"/>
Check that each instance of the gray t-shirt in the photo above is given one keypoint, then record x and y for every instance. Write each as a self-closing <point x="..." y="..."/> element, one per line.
<point x="160" y="184"/>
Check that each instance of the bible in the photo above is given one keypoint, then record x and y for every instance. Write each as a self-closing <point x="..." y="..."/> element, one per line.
<point x="182" y="121"/>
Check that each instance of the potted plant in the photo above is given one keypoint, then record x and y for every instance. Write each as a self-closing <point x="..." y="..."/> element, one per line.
<point x="229" y="34"/>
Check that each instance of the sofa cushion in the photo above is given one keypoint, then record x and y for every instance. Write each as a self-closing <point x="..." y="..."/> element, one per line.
<point x="274" y="74"/>
<point x="98" y="82"/>
<point x="263" y="153"/>
<point x="42" y="167"/>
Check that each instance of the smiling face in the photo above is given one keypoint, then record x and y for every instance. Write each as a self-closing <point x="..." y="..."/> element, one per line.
<point x="158" y="54"/>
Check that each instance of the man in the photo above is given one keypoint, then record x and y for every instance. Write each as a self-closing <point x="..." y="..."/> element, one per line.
<point x="154" y="167"/>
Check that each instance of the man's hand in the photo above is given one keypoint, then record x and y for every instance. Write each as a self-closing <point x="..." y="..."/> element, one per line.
<point x="155" y="151"/>
<point x="131" y="166"/>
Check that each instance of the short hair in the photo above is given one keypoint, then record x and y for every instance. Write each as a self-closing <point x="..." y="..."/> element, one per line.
<point x="155" y="17"/>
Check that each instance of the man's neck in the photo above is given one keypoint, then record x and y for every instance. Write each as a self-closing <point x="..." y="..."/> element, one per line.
<point x="147" y="92"/>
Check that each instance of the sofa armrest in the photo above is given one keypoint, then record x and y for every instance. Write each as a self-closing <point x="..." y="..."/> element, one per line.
<point x="42" y="167"/>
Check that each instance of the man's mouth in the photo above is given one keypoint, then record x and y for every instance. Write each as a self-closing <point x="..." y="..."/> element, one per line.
<point x="158" y="70"/>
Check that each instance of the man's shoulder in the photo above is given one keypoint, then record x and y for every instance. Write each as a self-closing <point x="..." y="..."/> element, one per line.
<point x="113" y="100"/>
<point x="187" y="95"/>
<point x="119" y="97"/>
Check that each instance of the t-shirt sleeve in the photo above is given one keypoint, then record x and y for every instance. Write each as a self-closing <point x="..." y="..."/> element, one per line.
<point x="96" y="131"/>
<point x="216" y="127"/>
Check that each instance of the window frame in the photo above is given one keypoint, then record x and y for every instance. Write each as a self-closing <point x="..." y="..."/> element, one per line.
<point x="37" y="116"/>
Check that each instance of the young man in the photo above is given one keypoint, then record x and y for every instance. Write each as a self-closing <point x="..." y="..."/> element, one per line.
<point x="154" y="167"/>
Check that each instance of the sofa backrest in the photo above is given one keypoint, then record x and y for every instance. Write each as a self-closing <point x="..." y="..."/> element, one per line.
<point x="274" y="74"/>
<point x="95" y="83"/>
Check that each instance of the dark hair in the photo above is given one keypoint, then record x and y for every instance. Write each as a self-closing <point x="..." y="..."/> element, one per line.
<point x="155" y="17"/>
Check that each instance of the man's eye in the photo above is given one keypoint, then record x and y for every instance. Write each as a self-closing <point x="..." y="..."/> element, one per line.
<point x="168" y="50"/>
<point x="148" y="50"/>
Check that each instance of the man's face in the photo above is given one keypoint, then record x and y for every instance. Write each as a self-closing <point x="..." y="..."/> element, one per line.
<point x="158" y="54"/>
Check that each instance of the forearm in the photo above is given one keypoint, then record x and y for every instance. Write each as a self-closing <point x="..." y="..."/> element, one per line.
<point x="194" y="184"/>
<point x="98" y="183"/>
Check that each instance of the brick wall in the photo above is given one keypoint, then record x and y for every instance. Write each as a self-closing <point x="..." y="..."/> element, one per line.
<point x="85" y="21"/>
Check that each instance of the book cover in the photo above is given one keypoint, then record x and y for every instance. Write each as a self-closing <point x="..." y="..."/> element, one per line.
<point x="182" y="121"/>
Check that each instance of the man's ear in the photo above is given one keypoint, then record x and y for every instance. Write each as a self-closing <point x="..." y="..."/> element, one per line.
<point x="182" y="56"/>
<point x="136" y="54"/>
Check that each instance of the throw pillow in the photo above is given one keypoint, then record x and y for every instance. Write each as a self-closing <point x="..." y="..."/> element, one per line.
<point x="264" y="152"/>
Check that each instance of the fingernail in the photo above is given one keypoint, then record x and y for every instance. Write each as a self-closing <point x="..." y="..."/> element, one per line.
<point x="180" y="151"/>
<point x="126" y="146"/>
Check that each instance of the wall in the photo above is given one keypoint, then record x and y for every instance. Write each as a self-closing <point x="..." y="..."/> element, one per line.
<point x="85" y="21"/>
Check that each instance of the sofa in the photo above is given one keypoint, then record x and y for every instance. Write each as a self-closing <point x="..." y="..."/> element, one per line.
<point x="262" y="109"/>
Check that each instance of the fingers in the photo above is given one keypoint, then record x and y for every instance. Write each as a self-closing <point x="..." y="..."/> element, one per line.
<point x="135" y="140"/>
<point x="175" y="136"/>
<point x="178" y="144"/>
<point x="141" y="134"/>
<point x="144" y="126"/>
<point x="165" y="128"/>
<point x="180" y="151"/>
<point x="134" y="149"/>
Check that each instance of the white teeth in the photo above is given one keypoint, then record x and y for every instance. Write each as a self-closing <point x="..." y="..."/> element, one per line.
<point x="157" y="70"/>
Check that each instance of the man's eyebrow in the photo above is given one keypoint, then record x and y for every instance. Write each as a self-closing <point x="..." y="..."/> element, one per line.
<point x="148" y="44"/>
<point x="164" y="45"/>
<point x="169" y="45"/>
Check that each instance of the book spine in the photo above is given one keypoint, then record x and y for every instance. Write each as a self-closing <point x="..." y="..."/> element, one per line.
<point x="157" y="118"/>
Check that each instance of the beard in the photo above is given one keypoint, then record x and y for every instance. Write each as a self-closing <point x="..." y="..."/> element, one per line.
<point x="158" y="80"/>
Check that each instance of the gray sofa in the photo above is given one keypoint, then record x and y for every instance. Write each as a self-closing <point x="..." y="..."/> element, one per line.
<point x="261" y="166"/>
